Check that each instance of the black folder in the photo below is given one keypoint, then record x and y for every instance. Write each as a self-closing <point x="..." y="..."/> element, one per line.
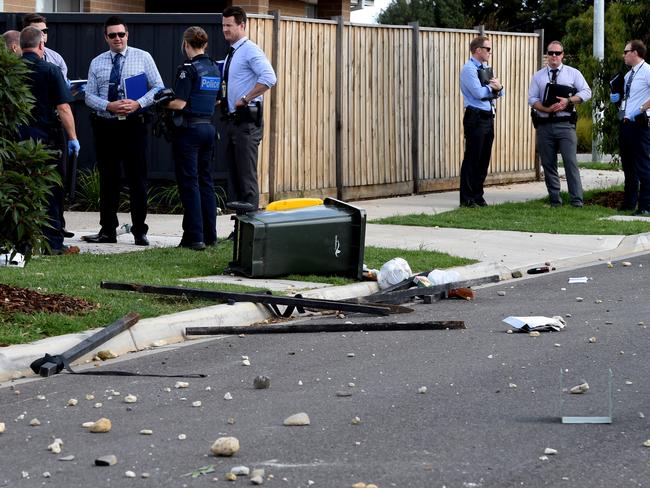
<point x="554" y="90"/>
<point x="485" y="75"/>
<point x="617" y="83"/>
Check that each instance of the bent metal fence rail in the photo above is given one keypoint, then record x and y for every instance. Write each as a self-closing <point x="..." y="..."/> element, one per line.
<point x="359" y="111"/>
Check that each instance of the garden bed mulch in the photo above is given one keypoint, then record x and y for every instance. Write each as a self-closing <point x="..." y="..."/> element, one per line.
<point x="14" y="299"/>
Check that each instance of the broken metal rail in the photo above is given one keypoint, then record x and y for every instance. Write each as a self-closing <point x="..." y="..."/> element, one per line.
<point x="400" y="293"/>
<point x="50" y="365"/>
<point x="326" y="327"/>
<point x="270" y="301"/>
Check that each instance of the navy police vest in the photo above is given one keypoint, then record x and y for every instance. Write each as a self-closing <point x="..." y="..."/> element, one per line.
<point x="206" y="82"/>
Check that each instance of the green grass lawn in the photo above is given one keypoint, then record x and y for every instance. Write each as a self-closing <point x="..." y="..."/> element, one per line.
<point x="598" y="166"/>
<point x="531" y="216"/>
<point x="80" y="276"/>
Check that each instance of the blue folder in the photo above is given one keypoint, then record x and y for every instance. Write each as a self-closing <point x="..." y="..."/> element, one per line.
<point x="136" y="86"/>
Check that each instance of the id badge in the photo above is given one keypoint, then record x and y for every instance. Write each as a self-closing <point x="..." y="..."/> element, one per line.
<point x="623" y="105"/>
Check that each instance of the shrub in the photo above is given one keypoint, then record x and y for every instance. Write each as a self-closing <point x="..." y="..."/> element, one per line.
<point x="583" y="132"/>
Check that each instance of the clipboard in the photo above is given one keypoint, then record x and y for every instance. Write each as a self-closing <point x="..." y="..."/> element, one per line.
<point x="136" y="86"/>
<point x="485" y="75"/>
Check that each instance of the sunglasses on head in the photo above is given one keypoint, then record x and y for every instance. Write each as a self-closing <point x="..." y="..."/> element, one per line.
<point x="554" y="53"/>
<point x="113" y="35"/>
<point x="625" y="51"/>
<point x="44" y="31"/>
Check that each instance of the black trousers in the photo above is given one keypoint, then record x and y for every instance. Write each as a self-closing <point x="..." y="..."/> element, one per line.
<point x="634" y="144"/>
<point x="122" y="144"/>
<point x="479" y="135"/>
<point x="242" y="146"/>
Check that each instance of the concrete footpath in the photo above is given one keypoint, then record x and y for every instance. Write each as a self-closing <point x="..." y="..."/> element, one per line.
<point x="498" y="252"/>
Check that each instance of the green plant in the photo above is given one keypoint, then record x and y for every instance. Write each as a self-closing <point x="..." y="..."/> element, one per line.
<point x="26" y="174"/>
<point x="87" y="194"/>
<point x="583" y="132"/>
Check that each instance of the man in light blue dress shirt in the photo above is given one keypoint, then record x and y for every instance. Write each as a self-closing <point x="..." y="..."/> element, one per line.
<point x="121" y="128"/>
<point x="634" y="133"/>
<point x="555" y="120"/>
<point x="480" y="91"/>
<point x="247" y="75"/>
<point x="51" y="56"/>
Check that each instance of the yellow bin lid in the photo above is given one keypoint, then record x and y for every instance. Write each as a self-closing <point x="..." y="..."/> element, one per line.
<point x="293" y="203"/>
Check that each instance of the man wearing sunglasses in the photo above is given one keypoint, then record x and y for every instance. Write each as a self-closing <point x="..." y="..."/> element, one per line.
<point x="480" y="90"/>
<point x="634" y="132"/>
<point x="121" y="128"/>
<point x="554" y="92"/>
<point x="51" y="56"/>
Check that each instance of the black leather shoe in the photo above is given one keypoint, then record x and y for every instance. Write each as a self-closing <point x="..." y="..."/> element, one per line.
<point x="481" y="203"/>
<point x="141" y="239"/>
<point x="194" y="246"/>
<point x="67" y="234"/>
<point x="100" y="239"/>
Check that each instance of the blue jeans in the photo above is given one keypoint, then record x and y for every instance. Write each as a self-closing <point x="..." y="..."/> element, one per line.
<point x="192" y="148"/>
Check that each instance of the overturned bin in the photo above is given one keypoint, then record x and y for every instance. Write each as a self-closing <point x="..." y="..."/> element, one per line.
<point x="320" y="239"/>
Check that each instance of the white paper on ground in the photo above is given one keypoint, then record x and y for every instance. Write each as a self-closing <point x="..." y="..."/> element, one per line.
<point x="579" y="279"/>
<point x="538" y="323"/>
<point x="18" y="260"/>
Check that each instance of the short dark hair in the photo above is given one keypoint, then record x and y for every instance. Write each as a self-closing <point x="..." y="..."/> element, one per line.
<point x="638" y="46"/>
<point x="30" y="37"/>
<point x="237" y="12"/>
<point x="476" y="43"/>
<point x="30" y="19"/>
<point x="195" y="36"/>
<point x="115" y="20"/>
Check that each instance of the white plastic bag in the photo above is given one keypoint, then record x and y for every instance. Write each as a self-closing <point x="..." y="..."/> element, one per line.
<point x="440" y="277"/>
<point x="393" y="272"/>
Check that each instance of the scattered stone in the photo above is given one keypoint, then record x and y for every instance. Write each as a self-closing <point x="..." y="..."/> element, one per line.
<point x="343" y="393"/>
<point x="598" y="300"/>
<point x="512" y="385"/>
<point x="34" y="422"/>
<point x="258" y="472"/>
<point x="509" y="331"/>
<point x="145" y="475"/>
<point x="56" y="446"/>
<point x="72" y="402"/>
<point x="261" y="382"/>
<point x="592" y="340"/>
<point x="130" y="399"/>
<point x="225" y="446"/>
<point x="240" y="471"/>
<point x="181" y="384"/>
<point x="647" y="443"/>
<point x="297" y="419"/>
<point x="351" y="385"/>
<point x="501" y="293"/>
<point x="101" y="426"/>
<point x="47" y="474"/>
<point x="40" y="397"/>
<point x="517" y="274"/>
<point x="610" y="264"/>
<point x="230" y="477"/>
<point x="87" y="424"/>
<point x="579" y="389"/>
<point x="351" y="354"/>
<point x="98" y="405"/>
<point x="3" y="427"/>
<point x="182" y="437"/>
<point x="356" y="421"/>
<point x="108" y="460"/>
<point x="626" y="263"/>
<point x="543" y="458"/>
<point x="534" y="333"/>
<point x="550" y="451"/>
<point x="67" y="458"/>
<point x="227" y="396"/>
<point x="363" y="485"/>
<point x="641" y="415"/>
<point x="641" y="322"/>
<point x="608" y="322"/>
<point x="159" y="343"/>
<point x="231" y="421"/>
<point x="628" y="382"/>
<point x="299" y="382"/>
<point x="107" y="354"/>
<point x="24" y="475"/>
<point x="579" y="299"/>
<point x="90" y="396"/>
<point x="246" y="362"/>
<point x="129" y="474"/>
<point x="146" y="432"/>
<point x="422" y="389"/>
<point x="557" y="344"/>
<point x="197" y="403"/>
<point x="257" y="480"/>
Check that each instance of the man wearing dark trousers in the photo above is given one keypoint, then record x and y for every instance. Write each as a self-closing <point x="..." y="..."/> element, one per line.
<point x="479" y="94"/>
<point x="51" y="111"/>
<point x="121" y="128"/>
<point x="247" y="75"/>
<point x="634" y="132"/>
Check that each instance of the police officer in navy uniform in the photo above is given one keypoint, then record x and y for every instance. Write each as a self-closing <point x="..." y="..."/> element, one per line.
<point x="51" y="111"/>
<point x="196" y="87"/>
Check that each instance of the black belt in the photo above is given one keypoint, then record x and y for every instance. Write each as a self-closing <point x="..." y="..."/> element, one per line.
<point x="484" y="114"/>
<point x="128" y="118"/>
<point x="198" y="120"/>
<point x="553" y="120"/>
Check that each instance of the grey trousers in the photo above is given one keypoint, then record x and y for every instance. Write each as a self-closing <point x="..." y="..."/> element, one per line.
<point x="551" y="139"/>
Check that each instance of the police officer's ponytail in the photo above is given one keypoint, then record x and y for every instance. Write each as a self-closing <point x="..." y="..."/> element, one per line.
<point x="196" y="37"/>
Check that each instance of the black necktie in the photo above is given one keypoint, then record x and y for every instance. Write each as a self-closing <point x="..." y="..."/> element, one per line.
<point x="554" y="75"/>
<point x="227" y="67"/>
<point x="114" y="80"/>
<point x="628" y="85"/>
<point x="224" y="83"/>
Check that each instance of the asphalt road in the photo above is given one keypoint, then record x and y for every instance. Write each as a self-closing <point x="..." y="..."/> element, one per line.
<point x="472" y="428"/>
